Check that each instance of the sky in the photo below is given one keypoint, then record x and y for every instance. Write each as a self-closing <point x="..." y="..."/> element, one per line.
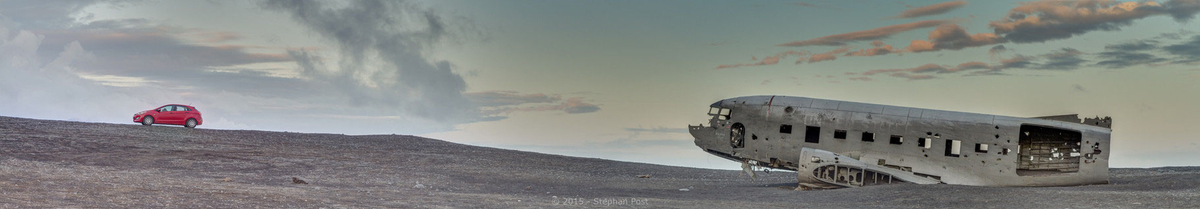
<point x="616" y="80"/>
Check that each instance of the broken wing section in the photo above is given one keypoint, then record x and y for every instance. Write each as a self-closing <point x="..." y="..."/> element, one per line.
<point x="825" y="169"/>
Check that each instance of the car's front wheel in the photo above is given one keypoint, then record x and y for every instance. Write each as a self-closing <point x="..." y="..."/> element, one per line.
<point x="191" y="123"/>
<point x="147" y="121"/>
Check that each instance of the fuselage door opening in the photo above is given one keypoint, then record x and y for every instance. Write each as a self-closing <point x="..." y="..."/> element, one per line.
<point x="737" y="135"/>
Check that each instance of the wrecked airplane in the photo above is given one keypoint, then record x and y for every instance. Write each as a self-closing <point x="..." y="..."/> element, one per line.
<point x="833" y="144"/>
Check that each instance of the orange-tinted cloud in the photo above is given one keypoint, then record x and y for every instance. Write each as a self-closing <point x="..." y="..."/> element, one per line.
<point x="217" y="36"/>
<point x="911" y="76"/>
<point x="769" y="60"/>
<point x="1045" y="20"/>
<point x="878" y="48"/>
<point x="830" y="55"/>
<point x="953" y="37"/>
<point x="863" y="35"/>
<point x="934" y="9"/>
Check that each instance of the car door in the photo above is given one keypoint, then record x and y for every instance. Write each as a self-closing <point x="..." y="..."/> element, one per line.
<point x="163" y="115"/>
<point x="172" y="115"/>
<point x="184" y="113"/>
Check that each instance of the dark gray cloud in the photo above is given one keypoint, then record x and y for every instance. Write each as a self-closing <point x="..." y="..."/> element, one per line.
<point x="1133" y="46"/>
<point x="1046" y="20"/>
<point x="934" y="9"/>
<point x="1129" y="54"/>
<point x="1175" y="35"/>
<point x="997" y="50"/>
<point x="1188" y="52"/>
<point x="392" y="37"/>
<point x="1063" y="59"/>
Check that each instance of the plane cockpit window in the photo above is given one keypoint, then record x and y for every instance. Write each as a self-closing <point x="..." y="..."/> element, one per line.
<point x="721" y="113"/>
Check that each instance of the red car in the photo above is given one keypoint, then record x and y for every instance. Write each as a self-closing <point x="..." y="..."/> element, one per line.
<point x="174" y="114"/>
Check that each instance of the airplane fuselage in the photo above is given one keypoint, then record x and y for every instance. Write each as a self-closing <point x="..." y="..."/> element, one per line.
<point x="849" y="144"/>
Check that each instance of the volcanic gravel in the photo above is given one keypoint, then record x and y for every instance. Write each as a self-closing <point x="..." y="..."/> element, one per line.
<point x="45" y="163"/>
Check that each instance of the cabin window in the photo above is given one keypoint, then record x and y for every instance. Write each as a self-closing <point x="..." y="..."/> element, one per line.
<point x="953" y="147"/>
<point x="868" y="136"/>
<point x="839" y="134"/>
<point x="787" y="129"/>
<point x="924" y="142"/>
<point x="897" y="139"/>
<point x="983" y="148"/>
<point x="812" y="134"/>
<point x="721" y="113"/>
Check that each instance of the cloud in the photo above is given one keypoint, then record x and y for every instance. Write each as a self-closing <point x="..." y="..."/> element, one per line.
<point x="997" y="50"/>
<point x="861" y="78"/>
<point x="217" y="36"/>
<point x="911" y="77"/>
<point x="51" y="14"/>
<point x="1188" y="52"/>
<point x="926" y="68"/>
<point x="1046" y="20"/>
<point x="658" y="130"/>
<point x="872" y="34"/>
<point x="507" y="98"/>
<point x="1063" y="59"/>
<point x="31" y="88"/>
<point x="386" y="43"/>
<point x="1037" y="21"/>
<point x="830" y="55"/>
<point x="953" y="37"/>
<point x="1129" y="54"/>
<point x="1079" y="88"/>
<point x="878" y="48"/>
<point x="493" y="103"/>
<point x="966" y="66"/>
<point x="576" y="105"/>
<point x="934" y="9"/>
<point x="132" y="48"/>
<point x="769" y="60"/>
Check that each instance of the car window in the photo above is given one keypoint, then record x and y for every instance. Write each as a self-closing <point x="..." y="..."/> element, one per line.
<point x="166" y="109"/>
<point x="181" y="108"/>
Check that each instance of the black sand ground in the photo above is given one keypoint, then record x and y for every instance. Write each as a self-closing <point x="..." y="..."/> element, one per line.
<point x="47" y="163"/>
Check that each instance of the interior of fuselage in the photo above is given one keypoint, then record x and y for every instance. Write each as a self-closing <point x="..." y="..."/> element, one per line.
<point x="1048" y="151"/>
